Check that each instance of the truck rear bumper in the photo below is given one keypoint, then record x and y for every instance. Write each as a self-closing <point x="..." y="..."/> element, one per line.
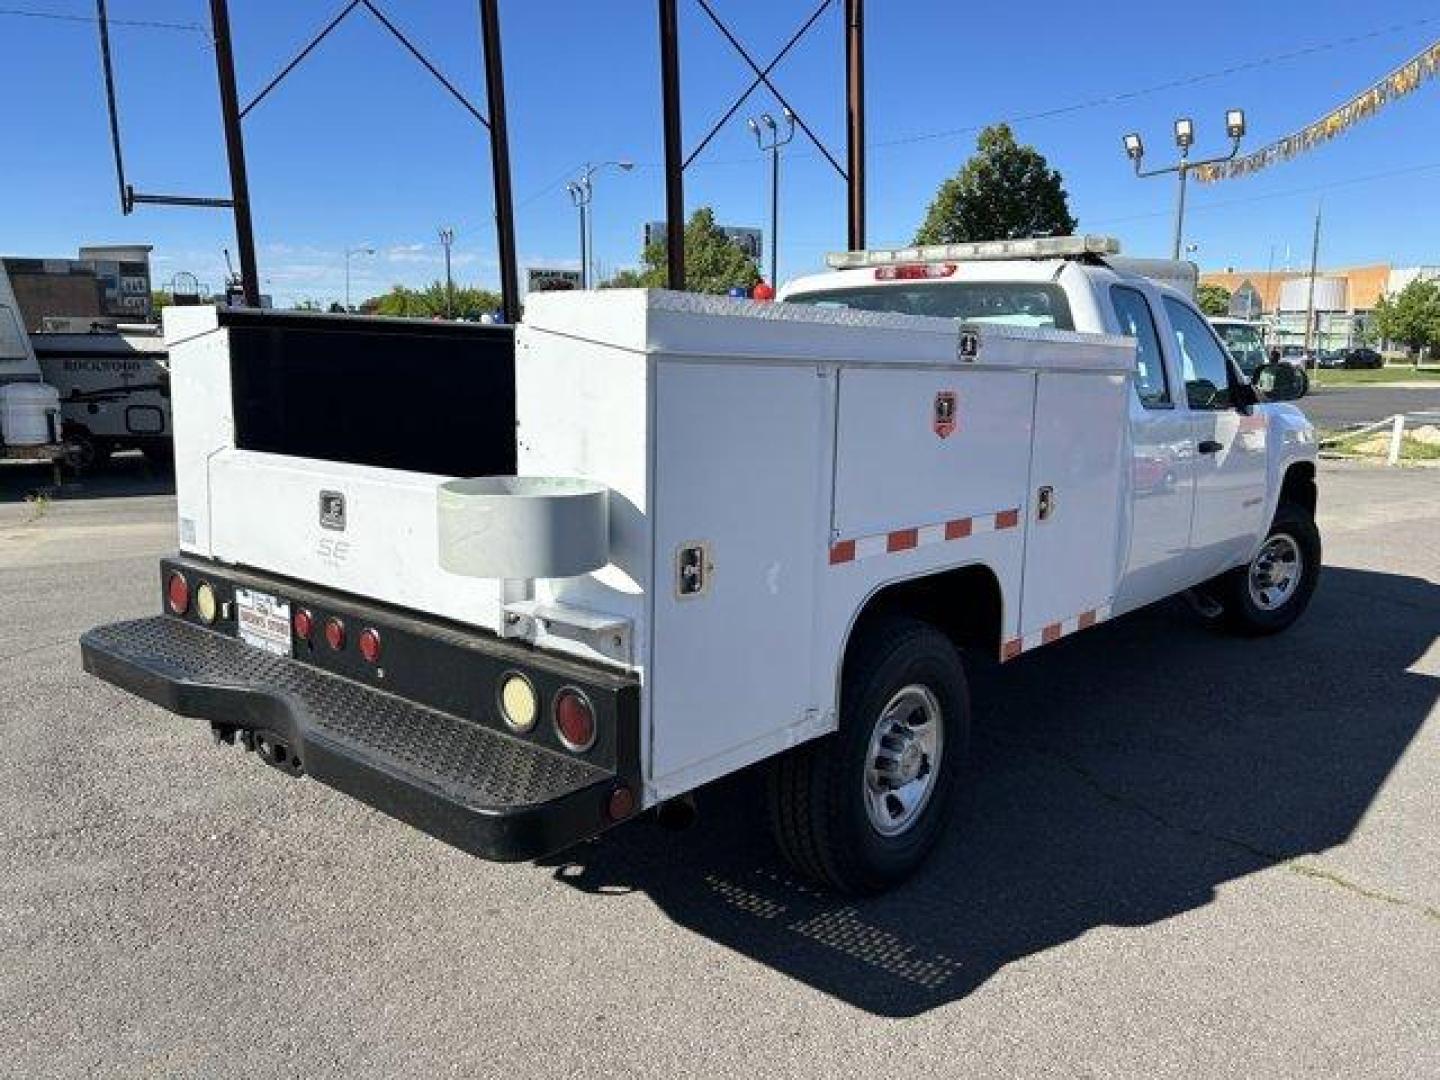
<point x="486" y="792"/>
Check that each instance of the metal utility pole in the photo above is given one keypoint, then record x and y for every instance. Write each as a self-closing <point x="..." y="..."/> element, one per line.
<point x="500" y="160"/>
<point x="855" y="120"/>
<point x="447" y="237"/>
<point x="768" y="138"/>
<point x="1310" y="301"/>
<point x="580" y="196"/>
<point x="674" y="146"/>
<point x="349" y="254"/>
<point x="1184" y="139"/>
<point x="235" y="151"/>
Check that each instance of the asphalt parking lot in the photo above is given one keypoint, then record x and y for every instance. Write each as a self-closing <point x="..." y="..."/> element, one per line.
<point x="1179" y="855"/>
<point x="1332" y="407"/>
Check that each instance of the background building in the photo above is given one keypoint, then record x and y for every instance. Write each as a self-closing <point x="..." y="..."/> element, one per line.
<point x="1344" y="300"/>
<point x="109" y="280"/>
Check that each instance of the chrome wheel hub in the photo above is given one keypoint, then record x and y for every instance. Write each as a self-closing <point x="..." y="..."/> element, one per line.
<point x="903" y="760"/>
<point x="1275" y="572"/>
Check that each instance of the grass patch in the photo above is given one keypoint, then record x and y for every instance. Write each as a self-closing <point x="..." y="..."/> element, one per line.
<point x="1391" y="373"/>
<point x="39" y="504"/>
<point x="1376" y="445"/>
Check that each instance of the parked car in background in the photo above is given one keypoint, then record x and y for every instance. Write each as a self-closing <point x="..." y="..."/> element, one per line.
<point x="1363" y="358"/>
<point x="1294" y="354"/>
<point x="1331" y="358"/>
<point x="1245" y="341"/>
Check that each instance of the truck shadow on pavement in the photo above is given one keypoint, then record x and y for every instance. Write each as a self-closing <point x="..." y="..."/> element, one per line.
<point x="1117" y="779"/>
<point x="123" y="476"/>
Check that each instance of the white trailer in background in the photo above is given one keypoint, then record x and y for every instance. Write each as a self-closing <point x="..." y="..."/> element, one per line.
<point x="113" y="384"/>
<point x="734" y="531"/>
<point x="30" y="424"/>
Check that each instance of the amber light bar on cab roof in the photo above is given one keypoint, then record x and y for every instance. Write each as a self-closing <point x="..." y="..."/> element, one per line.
<point x="1039" y="247"/>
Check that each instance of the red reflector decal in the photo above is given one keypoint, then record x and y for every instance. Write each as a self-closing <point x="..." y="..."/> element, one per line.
<point x="1012" y="649"/>
<point x="1087" y="620"/>
<point x="1007" y="519"/>
<point x="958" y="529"/>
<point x="842" y="551"/>
<point x="902" y="539"/>
<point x="1050" y="633"/>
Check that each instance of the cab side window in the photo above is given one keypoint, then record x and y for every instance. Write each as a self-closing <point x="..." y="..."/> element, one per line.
<point x="1133" y="311"/>
<point x="1202" y="358"/>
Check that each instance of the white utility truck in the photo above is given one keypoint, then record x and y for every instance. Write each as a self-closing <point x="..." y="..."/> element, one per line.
<point x="113" y="385"/>
<point x="30" y="423"/>
<point x="711" y="532"/>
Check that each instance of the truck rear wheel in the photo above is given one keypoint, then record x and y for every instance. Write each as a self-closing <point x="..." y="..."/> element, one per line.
<point x="1274" y="589"/>
<point x="860" y="809"/>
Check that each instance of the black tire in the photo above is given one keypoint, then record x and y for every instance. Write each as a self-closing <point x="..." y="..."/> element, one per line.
<point x="1242" y="614"/>
<point x="817" y="792"/>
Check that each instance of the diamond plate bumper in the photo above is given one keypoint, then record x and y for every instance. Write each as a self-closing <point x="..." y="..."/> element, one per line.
<point x="481" y="790"/>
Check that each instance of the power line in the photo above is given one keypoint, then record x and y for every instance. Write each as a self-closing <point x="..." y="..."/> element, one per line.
<point x="1119" y="97"/>
<point x="144" y="24"/>
<point x="1173" y="84"/>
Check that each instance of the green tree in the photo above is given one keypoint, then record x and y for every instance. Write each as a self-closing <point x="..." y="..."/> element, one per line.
<point x="1411" y="317"/>
<point x="1214" y="300"/>
<point x="713" y="264"/>
<point x="1004" y="192"/>
<point x="468" y="302"/>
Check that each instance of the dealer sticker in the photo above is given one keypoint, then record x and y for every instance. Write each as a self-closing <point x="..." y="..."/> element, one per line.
<point x="263" y="621"/>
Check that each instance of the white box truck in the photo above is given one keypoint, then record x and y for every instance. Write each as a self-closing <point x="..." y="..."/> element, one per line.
<point x="711" y="532"/>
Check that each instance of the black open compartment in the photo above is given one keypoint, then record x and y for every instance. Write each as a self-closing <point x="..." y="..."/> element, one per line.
<point x="435" y="397"/>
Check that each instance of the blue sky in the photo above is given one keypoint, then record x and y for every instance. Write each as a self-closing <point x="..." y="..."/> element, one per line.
<point x="360" y="147"/>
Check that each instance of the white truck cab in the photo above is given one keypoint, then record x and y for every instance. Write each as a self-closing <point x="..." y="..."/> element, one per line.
<point x="651" y="538"/>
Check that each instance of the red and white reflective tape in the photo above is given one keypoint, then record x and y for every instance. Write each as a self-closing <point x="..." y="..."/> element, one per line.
<point x="1053" y="632"/>
<point x="897" y="540"/>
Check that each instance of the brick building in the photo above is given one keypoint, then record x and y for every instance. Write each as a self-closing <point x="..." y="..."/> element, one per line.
<point x="1344" y="299"/>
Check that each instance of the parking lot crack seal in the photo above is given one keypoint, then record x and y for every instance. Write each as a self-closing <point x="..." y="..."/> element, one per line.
<point x="1270" y="859"/>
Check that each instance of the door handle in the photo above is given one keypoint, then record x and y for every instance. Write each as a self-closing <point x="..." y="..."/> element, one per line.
<point x="1209" y="446"/>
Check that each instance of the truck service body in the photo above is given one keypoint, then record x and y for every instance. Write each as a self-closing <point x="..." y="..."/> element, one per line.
<point x="723" y="532"/>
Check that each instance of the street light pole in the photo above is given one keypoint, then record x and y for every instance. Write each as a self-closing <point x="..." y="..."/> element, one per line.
<point x="1184" y="139"/>
<point x="1184" y="172"/>
<point x="447" y="237"/>
<point x="350" y="253"/>
<point x="582" y="192"/>
<point x="768" y="138"/>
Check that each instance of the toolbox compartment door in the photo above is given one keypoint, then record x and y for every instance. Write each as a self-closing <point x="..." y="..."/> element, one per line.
<point x="1072" y="556"/>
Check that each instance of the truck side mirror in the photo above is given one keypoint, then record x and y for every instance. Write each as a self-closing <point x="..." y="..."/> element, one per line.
<point x="1280" y="382"/>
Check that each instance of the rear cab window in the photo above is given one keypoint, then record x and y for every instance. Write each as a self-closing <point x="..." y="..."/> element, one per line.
<point x="1133" y="313"/>
<point x="1014" y="303"/>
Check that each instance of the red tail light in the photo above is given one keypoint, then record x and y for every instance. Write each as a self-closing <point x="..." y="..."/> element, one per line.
<point x="177" y="593"/>
<point x="304" y="624"/>
<point x="914" y="271"/>
<point x="621" y="803"/>
<point x="335" y="634"/>
<point x="574" y="720"/>
<point x="370" y="645"/>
